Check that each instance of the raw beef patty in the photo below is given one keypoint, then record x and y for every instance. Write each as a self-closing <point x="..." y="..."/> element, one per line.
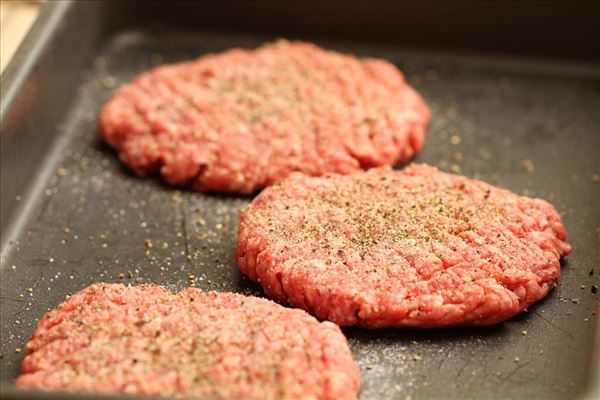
<point x="243" y="119"/>
<point x="416" y="247"/>
<point x="146" y="340"/>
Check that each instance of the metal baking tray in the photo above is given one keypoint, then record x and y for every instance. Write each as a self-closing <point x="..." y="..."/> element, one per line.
<point x="72" y="215"/>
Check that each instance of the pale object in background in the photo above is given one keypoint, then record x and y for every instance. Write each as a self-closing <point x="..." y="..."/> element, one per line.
<point x="16" y="17"/>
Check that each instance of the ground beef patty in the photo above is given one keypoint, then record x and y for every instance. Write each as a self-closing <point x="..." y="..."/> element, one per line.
<point x="146" y="340"/>
<point x="416" y="247"/>
<point x="243" y="119"/>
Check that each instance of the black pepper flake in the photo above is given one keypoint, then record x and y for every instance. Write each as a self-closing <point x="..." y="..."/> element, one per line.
<point x="594" y="289"/>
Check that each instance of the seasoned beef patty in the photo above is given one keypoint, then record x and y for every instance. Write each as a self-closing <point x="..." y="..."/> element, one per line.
<point x="416" y="247"/>
<point x="146" y="340"/>
<point x="243" y="119"/>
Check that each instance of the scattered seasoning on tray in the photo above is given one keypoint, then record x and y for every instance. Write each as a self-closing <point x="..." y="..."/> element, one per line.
<point x="517" y="359"/>
<point x="528" y="165"/>
<point x="458" y="157"/>
<point x="486" y="155"/>
<point x="176" y="197"/>
<point x="575" y="301"/>
<point x="455" y="140"/>
<point x="109" y="82"/>
<point x="455" y="168"/>
<point x="454" y="107"/>
<point x="594" y="289"/>
<point x="431" y="75"/>
<point x="100" y="62"/>
<point x="524" y="333"/>
<point x="596" y="178"/>
<point x="156" y="59"/>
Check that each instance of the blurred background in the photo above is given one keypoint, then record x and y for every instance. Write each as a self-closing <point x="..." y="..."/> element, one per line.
<point x="16" y="17"/>
<point x="552" y="29"/>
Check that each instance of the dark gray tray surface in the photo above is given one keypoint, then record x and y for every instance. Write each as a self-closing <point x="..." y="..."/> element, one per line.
<point x="492" y="119"/>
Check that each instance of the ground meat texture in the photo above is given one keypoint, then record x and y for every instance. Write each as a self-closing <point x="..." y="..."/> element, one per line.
<point x="243" y="119"/>
<point x="145" y="340"/>
<point x="410" y="248"/>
